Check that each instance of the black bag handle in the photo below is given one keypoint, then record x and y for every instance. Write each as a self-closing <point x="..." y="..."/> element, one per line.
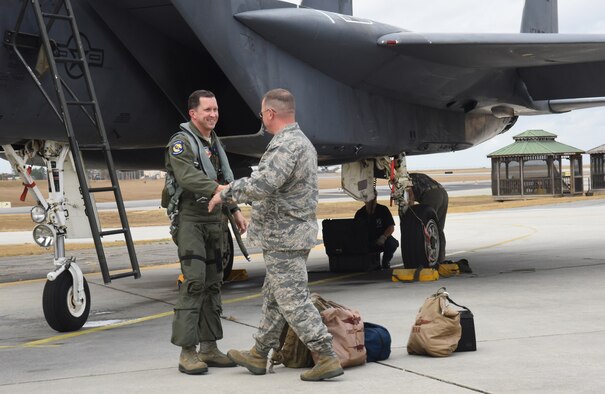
<point x="460" y="306"/>
<point x="443" y="291"/>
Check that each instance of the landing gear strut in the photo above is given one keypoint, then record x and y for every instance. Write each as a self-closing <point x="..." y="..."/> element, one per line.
<point x="66" y="298"/>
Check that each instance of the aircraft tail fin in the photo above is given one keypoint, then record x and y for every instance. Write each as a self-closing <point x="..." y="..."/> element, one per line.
<point x="540" y="16"/>
<point x="344" y="7"/>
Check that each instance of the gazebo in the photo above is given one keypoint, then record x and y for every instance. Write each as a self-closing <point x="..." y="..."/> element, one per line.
<point x="597" y="169"/>
<point x="532" y="167"/>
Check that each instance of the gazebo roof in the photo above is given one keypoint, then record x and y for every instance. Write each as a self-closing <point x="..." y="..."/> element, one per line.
<point x="535" y="142"/>
<point x="535" y="135"/>
<point x="598" y="149"/>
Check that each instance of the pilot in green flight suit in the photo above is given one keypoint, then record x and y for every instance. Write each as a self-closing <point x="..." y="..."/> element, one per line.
<point x="196" y="161"/>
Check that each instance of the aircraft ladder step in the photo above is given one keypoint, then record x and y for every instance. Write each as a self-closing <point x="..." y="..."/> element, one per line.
<point x="56" y="16"/>
<point x="101" y="189"/>
<point x="92" y="147"/>
<point x="136" y="274"/>
<point x="68" y="60"/>
<point x="80" y="102"/>
<point x="112" y="232"/>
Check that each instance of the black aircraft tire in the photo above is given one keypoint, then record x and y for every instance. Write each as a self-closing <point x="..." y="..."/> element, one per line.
<point x="416" y="250"/>
<point x="228" y="252"/>
<point x="59" y="311"/>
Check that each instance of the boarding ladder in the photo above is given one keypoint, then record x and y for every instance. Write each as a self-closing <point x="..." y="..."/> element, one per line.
<point x="63" y="12"/>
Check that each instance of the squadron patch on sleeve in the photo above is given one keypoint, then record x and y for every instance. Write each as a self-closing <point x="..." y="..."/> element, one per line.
<point x="177" y="148"/>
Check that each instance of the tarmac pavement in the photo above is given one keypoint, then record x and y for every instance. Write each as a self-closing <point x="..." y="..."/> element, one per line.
<point x="536" y="292"/>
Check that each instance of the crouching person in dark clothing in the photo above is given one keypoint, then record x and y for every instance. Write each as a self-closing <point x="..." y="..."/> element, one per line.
<point x="380" y="224"/>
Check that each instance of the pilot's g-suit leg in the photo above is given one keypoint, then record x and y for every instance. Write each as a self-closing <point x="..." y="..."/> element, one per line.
<point x="198" y="308"/>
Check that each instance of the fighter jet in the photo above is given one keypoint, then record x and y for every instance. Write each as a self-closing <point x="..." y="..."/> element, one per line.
<point x="367" y="92"/>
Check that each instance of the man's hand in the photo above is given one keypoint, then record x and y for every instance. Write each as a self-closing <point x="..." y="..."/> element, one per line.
<point x="216" y="200"/>
<point x="220" y="188"/>
<point x="381" y="240"/>
<point x="240" y="222"/>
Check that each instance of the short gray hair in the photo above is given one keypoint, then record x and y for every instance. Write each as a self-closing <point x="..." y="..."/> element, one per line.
<point x="280" y="100"/>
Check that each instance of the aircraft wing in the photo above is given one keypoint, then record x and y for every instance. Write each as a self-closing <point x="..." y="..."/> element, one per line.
<point x="498" y="50"/>
<point x="553" y="66"/>
<point x="436" y="70"/>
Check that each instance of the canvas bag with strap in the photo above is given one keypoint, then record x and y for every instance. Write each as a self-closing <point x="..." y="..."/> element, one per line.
<point x="293" y="353"/>
<point x="346" y="327"/>
<point x="436" y="330"/>
<point x="348" y="342"/>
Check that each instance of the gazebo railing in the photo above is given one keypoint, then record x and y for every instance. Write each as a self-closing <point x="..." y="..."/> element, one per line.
<point x="510" y="187"/>
<point x="598" y="181"/>
<point x="537" y="186"/>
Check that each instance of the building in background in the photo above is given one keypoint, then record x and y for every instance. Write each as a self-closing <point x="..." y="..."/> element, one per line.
<point x="597" y="169"/>
<point x="532" y="167"/>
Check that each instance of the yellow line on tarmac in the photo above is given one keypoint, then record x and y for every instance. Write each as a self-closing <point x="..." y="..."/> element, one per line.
<point x="532" y="232"/>
<point x="46" y="341"/>
<point x="96" y="329"/>
<point x="318" y="282"/>
<point x="98" y="274"/>
<point x="22" y="282"/>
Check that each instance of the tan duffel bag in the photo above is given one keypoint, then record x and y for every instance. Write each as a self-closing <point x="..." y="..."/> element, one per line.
<point x="436" y="331"/>
<point x="346" y="327"/>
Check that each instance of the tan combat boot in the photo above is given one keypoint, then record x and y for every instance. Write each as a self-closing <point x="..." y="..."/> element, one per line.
<point x="189" y="363"/>
<point x="210" y="354"/>
<point x="326" y="367"/>
<point x="255" y="362"/>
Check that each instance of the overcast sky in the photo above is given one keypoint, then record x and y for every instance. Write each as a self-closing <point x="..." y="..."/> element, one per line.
<point x="583" y="129"/>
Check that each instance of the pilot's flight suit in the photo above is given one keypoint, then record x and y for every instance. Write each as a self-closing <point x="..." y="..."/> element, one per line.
<point x="199" y="237"/>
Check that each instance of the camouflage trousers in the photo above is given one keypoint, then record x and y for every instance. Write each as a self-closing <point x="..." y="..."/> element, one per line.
<point x="286" y="300"/>
<point x="197" y="313"/>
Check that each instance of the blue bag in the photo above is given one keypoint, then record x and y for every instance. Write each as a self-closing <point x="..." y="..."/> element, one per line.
<point x="377" y="342"/>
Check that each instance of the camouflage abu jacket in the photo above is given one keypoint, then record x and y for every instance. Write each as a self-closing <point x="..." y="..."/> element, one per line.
<point x="283" y="192"/>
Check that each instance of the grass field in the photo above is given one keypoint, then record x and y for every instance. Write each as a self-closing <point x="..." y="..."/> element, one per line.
<point x="151" y="189"/>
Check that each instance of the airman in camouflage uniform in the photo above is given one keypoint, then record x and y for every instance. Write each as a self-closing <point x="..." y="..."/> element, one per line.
<point x="197" y="162"/>
<point x="284" y="193"/>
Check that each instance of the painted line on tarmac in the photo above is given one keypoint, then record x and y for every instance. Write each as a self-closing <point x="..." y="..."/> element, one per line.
<point x="532" y="230"/>
<point x="56" y="338"/>
<point x="315" y="283"/>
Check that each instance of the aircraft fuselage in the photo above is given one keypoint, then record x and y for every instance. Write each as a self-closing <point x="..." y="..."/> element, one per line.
<point x="145" y="60"/>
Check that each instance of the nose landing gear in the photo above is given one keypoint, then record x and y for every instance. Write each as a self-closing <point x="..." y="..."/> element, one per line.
<point x="63" y="309"/>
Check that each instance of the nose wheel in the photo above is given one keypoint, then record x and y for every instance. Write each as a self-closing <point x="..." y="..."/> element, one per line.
<point x="61" y="310"/>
